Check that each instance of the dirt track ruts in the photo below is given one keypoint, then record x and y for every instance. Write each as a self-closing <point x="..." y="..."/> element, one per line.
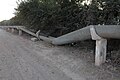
<point x="19" y="61"/>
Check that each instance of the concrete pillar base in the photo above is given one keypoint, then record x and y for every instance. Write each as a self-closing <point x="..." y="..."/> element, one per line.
<point x="13" y="30"/>
<point x="100" y="53"/>
<point x="37" y="33"/>
<point x="8" y="29"/>
<point x="20" y="32"/>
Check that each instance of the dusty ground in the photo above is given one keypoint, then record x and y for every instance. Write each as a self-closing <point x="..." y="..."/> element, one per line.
<point x="22" y="59"/>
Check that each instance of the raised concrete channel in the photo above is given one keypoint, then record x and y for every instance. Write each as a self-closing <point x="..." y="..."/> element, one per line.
<point x="100" y="33"/>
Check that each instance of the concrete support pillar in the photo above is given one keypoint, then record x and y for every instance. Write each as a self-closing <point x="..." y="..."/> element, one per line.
<point x="101" y="44"/>
<point x="13" y="30"/>
<point x="8" y="29"/>
<point x="100" y="53"/>
<point x="20" y="32"/>
<point x="37" y="33"/>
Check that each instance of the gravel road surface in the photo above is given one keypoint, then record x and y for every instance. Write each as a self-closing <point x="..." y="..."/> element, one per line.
<point x="20" y="61"/>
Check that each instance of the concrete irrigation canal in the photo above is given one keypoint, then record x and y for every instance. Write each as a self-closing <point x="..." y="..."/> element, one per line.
<point x="100" y="33"/>
<point x="22" y="59"/>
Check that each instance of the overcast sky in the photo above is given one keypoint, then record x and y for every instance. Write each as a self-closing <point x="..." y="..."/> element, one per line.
<point x="7" y="9"/>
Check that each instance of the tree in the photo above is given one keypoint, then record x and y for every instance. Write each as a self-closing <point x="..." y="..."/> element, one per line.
<point x="64" y="16"/>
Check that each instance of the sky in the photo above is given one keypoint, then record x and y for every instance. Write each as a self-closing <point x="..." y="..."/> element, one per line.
<point x="7" y="9"/>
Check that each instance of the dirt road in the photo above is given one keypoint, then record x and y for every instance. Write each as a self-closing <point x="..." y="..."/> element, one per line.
<point x="19" y="61"/>
<point x="22" y="59"/>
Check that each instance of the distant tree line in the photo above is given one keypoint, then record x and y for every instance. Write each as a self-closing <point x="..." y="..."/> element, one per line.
<point x="12" y="22"/>
<point x="62" y="16"/>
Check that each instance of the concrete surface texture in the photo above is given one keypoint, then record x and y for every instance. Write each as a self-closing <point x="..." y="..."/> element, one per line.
<point x="22" y="59"/>
<point x="105" y="31"/>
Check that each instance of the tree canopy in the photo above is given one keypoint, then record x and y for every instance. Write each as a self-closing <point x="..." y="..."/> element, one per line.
<point x="63" y="16"/>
